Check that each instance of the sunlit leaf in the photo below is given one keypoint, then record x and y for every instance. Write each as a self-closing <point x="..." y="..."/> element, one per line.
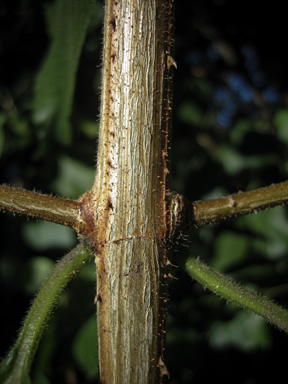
<point x="272" y="231"/>
<point x="67" y="21"/>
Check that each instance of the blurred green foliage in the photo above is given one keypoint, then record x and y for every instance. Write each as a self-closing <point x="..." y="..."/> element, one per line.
<point x="230" y="124"/>
<point x="85" y="347"/>
<point x="54" y="88"/>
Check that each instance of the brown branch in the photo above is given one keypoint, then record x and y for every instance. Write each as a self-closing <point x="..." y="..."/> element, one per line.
<point x="198" y="213"/>
<point x="238" y="204"/>
<point x="50" y="208"/>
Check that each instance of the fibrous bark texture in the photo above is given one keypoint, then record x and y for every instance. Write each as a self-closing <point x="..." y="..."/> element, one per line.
<point x="127" y="206"/>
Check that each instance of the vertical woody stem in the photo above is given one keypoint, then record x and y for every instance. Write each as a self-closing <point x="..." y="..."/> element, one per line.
<point x="126" y="207"/>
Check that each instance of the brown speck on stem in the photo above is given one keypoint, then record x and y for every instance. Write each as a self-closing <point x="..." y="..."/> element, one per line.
<point x="109" y="202"/>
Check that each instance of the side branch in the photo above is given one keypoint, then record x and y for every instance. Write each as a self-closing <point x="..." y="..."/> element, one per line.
<point x="16" y="366"/>
<point x="238" y="204"/>
<point x="231" y="291"/>
<point x="50" y="208"/>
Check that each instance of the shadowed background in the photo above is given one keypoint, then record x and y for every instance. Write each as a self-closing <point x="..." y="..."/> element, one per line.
<point x="230" y="133"/>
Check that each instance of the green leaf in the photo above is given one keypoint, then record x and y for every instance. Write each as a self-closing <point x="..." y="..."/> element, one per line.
<point x="85" y="347"/>
<point x="237" y="134"/>
<point x="190" y="113"/>
<point x="234" y="162"/>
<point x="2" y="136"/>
<point x="67" y="21"/>
<point x="43" y="235"/>
<point x="90" y="128"/>
<point x="271" y="229"/>
<point x="281" y="122"/>
<point x="246" y="332"/>
<point x="74" y="178"/>
<point x="229" y="249"/>
<point x="38" y="269"/>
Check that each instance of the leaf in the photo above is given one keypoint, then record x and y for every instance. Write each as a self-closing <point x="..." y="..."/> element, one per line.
<point x="85" y="347"/>
<point x="246" y="332"/>
<point x="190" y="113"/>
<point x="230" y="248"/>
<point x="74" y="178"/>
<point x="2" y="136"/>
<point x="271" y="229"/>
<point x="38" y="269"/>
<point x="43" y="235"/>
<point x="281" y="122"/>
<point x="234" y="161"/>
<point x="67" y="21"/>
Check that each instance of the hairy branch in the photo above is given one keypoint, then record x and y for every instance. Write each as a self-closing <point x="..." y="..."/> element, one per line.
<point x="231" y="291"/>
<point x="50" y="208"/>
<point x="185" y="213"/>
<point x="15" y="367"/>
<point x="238" y="204"/>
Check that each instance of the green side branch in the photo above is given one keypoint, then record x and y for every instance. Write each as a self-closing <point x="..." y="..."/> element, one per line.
<point x="231" y="291"/>
<point x="15" y="367"/>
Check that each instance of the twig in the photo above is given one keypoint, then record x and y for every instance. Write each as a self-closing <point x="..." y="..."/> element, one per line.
<point x="15" y="367"/>
<point x="242" y="203"/>
<point x="50" y="208"/>
<point x="231" y="291"/>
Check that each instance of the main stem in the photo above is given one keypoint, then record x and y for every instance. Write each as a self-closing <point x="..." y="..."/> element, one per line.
<point x="129" y="222"/>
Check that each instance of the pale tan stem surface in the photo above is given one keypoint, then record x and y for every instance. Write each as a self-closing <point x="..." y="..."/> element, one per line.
<point x="126" y="207"/>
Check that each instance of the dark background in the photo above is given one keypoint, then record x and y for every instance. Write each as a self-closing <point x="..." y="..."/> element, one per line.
<point x="230" y="133"/>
